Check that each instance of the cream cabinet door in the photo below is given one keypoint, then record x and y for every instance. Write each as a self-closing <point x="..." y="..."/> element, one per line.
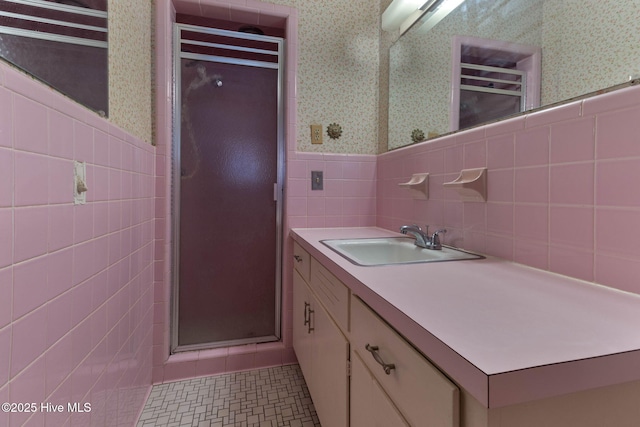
<point x="370" y="406"/>
<point x="322" y="352"/>
<point x="302" y="333"/>
<point x="330" y="392"/>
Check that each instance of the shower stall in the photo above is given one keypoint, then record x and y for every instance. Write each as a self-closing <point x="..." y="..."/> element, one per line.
<point x="228" y="171"/>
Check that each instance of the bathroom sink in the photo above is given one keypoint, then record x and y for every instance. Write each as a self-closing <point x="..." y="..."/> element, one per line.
<point x="393" y="250"/>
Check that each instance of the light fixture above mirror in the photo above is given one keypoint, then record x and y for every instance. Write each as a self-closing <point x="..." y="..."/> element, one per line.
<point x="404" y="14"/>
<point x="398" y="11"/>
<point x="435" y="13"/>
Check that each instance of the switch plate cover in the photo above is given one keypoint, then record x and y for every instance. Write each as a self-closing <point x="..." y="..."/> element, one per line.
<point x="79" y="183"/>
<point x="316" y="134"/>
<point x="316" y="180"/>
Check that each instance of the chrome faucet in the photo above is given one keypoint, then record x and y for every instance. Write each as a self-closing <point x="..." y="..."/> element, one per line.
<point x="423" y="239"/>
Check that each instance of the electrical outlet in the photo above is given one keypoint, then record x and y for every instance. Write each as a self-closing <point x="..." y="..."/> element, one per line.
<point x="316" y="134"/>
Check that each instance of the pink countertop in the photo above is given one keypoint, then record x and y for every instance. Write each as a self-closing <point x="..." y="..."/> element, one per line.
<point x="504" y="332"/>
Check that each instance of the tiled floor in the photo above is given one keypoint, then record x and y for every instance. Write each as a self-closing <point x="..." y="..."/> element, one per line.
<point x="272" y="397"/>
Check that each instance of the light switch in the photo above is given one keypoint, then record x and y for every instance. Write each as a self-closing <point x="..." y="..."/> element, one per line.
<point x="316" y="180"/>
<point x="79" y="183"/>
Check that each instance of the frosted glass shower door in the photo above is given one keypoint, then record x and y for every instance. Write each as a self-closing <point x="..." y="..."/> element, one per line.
<point x="228" y="238"/>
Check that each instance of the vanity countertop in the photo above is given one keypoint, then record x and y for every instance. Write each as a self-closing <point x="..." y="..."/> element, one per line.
<point x="505" y="332"/>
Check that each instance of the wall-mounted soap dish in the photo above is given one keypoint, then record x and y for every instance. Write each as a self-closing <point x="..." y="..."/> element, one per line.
<point x="471" y="185"/>
<point x="418" y="186"/>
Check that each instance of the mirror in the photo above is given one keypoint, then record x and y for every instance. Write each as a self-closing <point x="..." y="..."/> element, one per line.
<point x="63" y="43"/>
<point x="488" y="60"/>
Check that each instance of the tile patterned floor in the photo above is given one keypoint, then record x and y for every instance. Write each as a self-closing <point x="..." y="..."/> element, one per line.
<point x="272" y="397"/>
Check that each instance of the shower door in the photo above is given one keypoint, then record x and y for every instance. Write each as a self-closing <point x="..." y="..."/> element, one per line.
<point x="227" y="189"/>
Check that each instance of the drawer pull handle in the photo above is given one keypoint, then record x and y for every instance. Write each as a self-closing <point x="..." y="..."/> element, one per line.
<point x="298" y="258"/>
<point x="387" y="367"/>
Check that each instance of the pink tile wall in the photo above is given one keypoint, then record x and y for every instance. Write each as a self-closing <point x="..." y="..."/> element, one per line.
<point x="562" y="189"/>
<point x="349" y="195"/>
<point x="76" y="280"/>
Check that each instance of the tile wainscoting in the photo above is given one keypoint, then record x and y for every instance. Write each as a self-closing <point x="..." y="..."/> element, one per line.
<point x="562" y="189"/>
<point x="76" y="281"/>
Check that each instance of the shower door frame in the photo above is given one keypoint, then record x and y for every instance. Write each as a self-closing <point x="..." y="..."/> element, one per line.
<point x="278" y="191"/>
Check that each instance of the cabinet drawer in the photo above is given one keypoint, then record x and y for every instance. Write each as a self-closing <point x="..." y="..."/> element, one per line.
<point x="332" y="293"/>
<point x="301" y="261"/>
<point x="419" y="390"/>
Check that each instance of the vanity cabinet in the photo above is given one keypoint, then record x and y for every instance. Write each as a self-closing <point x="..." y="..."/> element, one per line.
<point x="370" y="405"/>
<point x="320" y="344"/>
<point x="414" y="392"/>
<point x="325" y="316"/>
<point x="416" y="387"/>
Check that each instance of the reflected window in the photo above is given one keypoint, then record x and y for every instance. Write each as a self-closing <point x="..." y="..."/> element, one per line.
<point x="492" y="79"/>
<point x="62" y="43"/>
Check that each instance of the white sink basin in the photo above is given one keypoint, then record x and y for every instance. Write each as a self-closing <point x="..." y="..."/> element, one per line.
<point x="393" y="250"/>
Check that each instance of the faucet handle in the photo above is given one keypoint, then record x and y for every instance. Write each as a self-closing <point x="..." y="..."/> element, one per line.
<point x="435" y="238"/>
<point x="426" y="229"/>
